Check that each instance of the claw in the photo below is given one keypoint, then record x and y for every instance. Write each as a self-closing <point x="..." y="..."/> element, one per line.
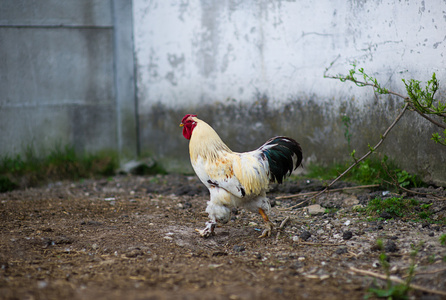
<point x="208" y="230"/>
<point x="268" y="224"/>
<point x="267" y="231"/>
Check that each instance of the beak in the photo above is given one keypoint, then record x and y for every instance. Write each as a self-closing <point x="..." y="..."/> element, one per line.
<point x="181" y="124"/>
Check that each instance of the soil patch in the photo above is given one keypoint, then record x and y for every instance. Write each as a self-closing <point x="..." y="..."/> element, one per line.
<point x="132" y="237"/>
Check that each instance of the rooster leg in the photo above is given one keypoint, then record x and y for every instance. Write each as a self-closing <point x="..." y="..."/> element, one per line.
<point x="208" y="230"/>
<point x="268" y="224"/>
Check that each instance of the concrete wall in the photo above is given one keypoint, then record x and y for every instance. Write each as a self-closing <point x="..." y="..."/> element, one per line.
<point x="62" y="77"/>
<point x="254" y="69"/>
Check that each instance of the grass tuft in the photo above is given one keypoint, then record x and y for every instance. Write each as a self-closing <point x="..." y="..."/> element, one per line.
<point x="369" y="171"/>
<point x="405" y="209"/>
<point x="62" y="163"/>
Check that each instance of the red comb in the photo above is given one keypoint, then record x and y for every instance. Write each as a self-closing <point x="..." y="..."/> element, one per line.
<point x="186" y="117"/>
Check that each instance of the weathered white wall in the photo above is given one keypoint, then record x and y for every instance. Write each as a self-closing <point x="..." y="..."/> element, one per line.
<point x="196" y="50"/>
<point x="251" y="59"/>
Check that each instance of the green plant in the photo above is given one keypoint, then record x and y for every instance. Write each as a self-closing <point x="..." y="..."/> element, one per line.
<point x="331" y="210"/>
<point x="443" y="239"/>
<point x="399" y="207"/>
<point x="391" y="290"/>
<point x="369" y="171"/>
<point x="423" y="102"/>
<point x="420" y="101"/>
<point x="61" y="163"/>
<point x="6" y="184"/>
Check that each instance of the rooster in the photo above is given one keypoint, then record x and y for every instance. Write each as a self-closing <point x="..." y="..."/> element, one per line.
<point x="237" y="179"/>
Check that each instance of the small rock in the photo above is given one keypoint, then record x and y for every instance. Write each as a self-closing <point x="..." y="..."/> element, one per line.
<point x="348" y="222"/>
<point x="315" y="210"/>
<point x="385" y="215"/>
<point x="435" y="227"/>
<point x="134" y="252"/>
<point x="347" y="235"/>
<point x="342" y="250"/>
<point x="215" y="266"/>
<point x="305" y="236"/>
<point x="90" y="222"/>
<point x="42" y="284"/>
<point x="390" y="247"/>
<point x="350" y="201"/>
<point x="238" y="248"/>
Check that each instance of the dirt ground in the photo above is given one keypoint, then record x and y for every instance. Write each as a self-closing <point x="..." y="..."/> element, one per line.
<point x="131" y="237"/>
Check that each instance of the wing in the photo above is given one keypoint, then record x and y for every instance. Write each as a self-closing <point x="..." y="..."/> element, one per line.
<point x="252" y="170"/>
<point x="219" y="172"/>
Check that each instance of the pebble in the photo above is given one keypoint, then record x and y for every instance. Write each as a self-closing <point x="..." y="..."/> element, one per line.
<point x="305" y="235"/>
<point x="315" y="210"/>
<point x="390" y="247"/>
<point x="385" y="215"/>
<point x="342" y="250"/>
<point x="347" y="235"/>
<point x="350" y="201"/>
<point x="42" y="284"/>
<point x="238" y="248"/>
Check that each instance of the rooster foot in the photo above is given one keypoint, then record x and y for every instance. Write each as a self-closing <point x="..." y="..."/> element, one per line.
<point x="269" y="226"/>
<point x="208" y="230"/>
<point x="267" y="231"/>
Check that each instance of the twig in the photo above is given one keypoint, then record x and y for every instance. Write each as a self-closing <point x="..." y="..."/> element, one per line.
<point x="426" y="117"/>
<point x="281" y="227"/>
<point x="397" y="185"/>
<point x="284" y="222"/>
<point x="398" y="280"/>
<point x="427" y="272"/>
<point x="251" y="273"/>
<point x="358" y="160"/>
<point x="352" y="253"/>
<point x="333" y="190"/>
<point x="413" y="192"/>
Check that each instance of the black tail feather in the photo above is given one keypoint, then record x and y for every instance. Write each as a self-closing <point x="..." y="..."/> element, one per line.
<point x="284" y="155"/>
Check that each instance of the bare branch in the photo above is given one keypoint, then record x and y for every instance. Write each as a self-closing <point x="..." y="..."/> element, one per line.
<point x="359" y="160"/>
<point x="397" y="280"/>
